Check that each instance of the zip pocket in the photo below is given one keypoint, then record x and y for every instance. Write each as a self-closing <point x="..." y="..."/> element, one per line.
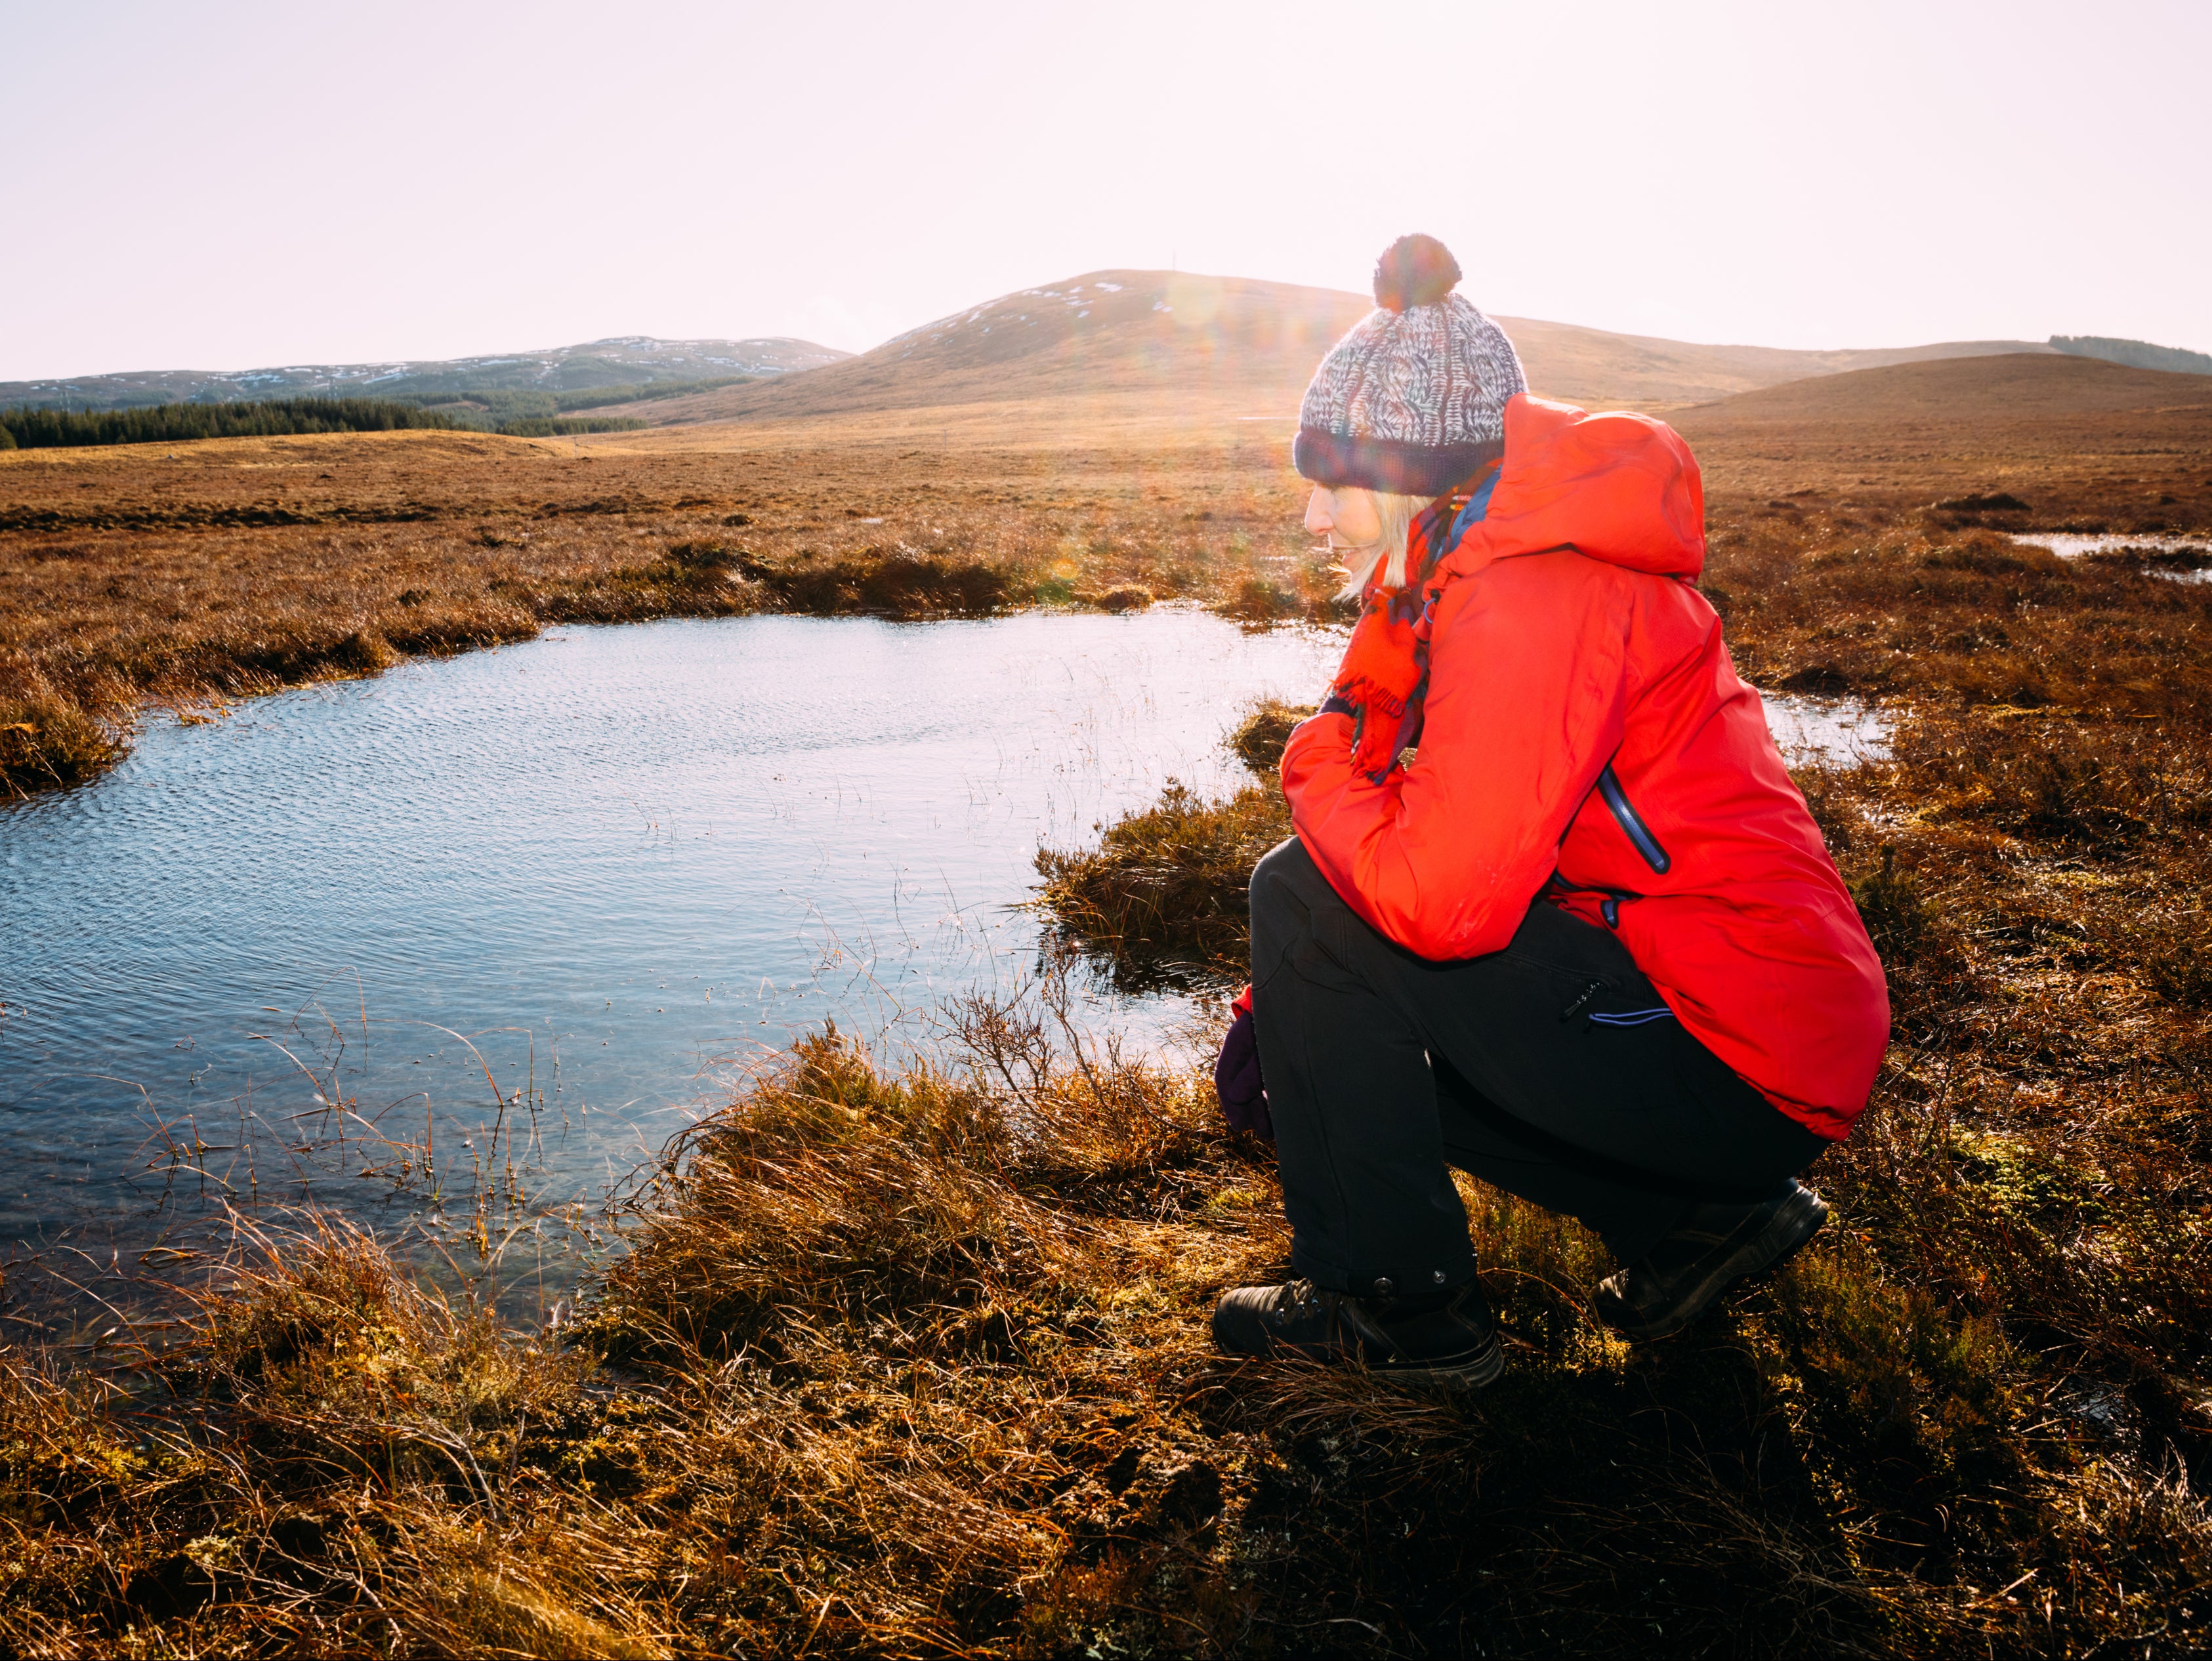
<point x="1625" y="816"/>
<point x="1582" y="1002"/>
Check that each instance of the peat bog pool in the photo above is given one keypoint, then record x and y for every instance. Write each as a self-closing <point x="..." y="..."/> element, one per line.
<point x="518" y="915"/>
<point x="2073" y="545"/>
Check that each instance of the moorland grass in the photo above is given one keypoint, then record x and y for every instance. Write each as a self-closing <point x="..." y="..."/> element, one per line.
<point x="1160" y="903"/>
<point x="1994" y="1368"/>
<point x="1161" y="899"/>
<point x="915" y="1362"/>
<point x="190" y="578"/>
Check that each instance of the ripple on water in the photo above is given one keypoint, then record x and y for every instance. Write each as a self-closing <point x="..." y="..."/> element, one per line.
<point x="614" y="864"/>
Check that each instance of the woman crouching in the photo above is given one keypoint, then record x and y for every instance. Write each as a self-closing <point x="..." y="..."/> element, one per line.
<point x="1588" y="945"/>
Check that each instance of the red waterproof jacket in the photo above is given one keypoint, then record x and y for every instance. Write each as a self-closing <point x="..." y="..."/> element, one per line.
<point x="1588" y="736"/>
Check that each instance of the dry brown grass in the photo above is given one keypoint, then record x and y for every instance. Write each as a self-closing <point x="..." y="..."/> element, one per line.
<point x="1994" y="1375"/>
<point x="194" y="574"/>
<point x="188" y="576"/>
<point x="876" y="1337"/>
<point x="915" y="1364"/>
<point x="1162" y="898"/>
<point x="2086" y="445"/>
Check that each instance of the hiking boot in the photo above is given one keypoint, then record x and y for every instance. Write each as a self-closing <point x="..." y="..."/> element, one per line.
<point x="1713" y="1248"/>
<point x="1448" y="1338"/>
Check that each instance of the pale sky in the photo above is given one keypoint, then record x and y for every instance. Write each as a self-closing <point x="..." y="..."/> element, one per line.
<point x="228" y="186"/>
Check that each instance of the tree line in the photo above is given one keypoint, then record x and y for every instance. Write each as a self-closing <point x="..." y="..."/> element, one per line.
<point x="522" y="412"/>
<point x="532" y="427"/>
<point x="2136" y="353"/>
<point x="172" y="423"/>
<point x="28" y="428"/>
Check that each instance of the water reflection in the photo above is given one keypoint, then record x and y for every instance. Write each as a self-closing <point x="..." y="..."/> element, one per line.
<point x="575" y="881"/>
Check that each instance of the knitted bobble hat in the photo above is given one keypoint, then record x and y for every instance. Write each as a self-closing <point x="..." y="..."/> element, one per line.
<point x="1412" y="400"/>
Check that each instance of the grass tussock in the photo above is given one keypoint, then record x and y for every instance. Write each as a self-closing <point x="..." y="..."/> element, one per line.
<point x="896" y="582"/>
<point x="1259" y="739"/>
<point x="914" y="1363"/>
<point x="1162" y="901"/>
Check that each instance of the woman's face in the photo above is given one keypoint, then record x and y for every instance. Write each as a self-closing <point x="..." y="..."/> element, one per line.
<point x="1346" y="517"/>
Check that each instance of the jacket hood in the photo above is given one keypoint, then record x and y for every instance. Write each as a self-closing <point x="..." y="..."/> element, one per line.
<point x="1613" y="485"/>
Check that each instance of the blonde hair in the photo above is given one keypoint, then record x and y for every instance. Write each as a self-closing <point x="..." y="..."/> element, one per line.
<point x="1388" y="551"/>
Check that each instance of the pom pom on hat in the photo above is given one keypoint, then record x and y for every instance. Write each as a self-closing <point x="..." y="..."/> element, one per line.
<point x="1414" y="270"/>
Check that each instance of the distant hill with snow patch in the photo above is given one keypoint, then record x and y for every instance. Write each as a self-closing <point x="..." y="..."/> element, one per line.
<point x="624" y="360"/>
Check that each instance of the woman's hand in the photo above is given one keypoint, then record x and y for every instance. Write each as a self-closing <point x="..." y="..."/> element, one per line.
<point x="1236" y="1078"/>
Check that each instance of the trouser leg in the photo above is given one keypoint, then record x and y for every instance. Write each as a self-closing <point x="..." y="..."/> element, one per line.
<point x="1628" y="1214"/>
<point x="1357" y="1139"/>
<point x="1623" y="1126"/>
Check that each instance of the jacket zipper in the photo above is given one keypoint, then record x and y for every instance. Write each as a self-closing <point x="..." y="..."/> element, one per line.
<point x="1638" y="834"/>
<point x="1625" y="814"/>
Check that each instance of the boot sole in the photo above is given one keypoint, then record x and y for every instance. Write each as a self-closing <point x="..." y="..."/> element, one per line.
<point x="1470" y="1372"/>
<point x="1796" y="1222"/>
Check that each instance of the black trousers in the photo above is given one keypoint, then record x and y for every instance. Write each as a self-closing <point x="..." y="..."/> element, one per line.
<point x="1550" y="1070"/>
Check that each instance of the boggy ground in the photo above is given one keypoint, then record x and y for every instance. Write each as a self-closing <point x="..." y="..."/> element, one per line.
<point x="917" y="1364"/>
<point x="2004" y="1334"/>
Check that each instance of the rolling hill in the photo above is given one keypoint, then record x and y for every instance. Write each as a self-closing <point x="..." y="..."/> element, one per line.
<point x="1181" y="345"/>
<point x="2011" y="387"/>
<point x="2036" y="426"/>
<point x="625" y="360"/>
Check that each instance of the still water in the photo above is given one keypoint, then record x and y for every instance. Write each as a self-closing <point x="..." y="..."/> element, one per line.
<point x="516" y="917"/>
<point x="608" y="866"/>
